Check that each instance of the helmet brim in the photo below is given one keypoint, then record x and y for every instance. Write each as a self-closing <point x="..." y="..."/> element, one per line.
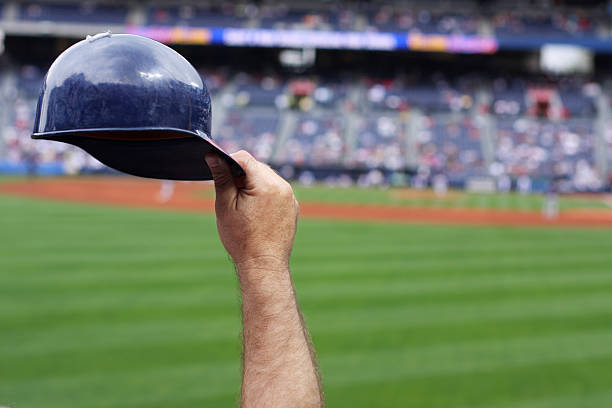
<point x="160" y="153"/>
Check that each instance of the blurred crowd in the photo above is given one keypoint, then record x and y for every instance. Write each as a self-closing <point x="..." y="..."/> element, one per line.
<point x="19" y="90"/>
<point x="563" y="150"/>
<point x="523" y="133"/>
<point x="502" y="18"/>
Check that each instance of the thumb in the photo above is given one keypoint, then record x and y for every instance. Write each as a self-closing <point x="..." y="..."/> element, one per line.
<point x="225" y="188"/>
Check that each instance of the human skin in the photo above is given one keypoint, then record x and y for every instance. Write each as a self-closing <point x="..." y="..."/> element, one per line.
<point x="257" y="219"/>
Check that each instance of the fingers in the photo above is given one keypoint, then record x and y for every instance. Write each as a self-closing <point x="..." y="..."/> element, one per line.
<point x="259" y="176"/>
<point x="244" y="158"/>
<point x="224" y="182"/>
<point x="251" y="168"/>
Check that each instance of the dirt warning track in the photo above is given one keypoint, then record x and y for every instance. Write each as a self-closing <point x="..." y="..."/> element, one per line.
<point x="198" y="197"/>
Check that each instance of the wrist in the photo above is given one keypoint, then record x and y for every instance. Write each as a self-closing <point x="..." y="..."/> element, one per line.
<point x="265" y="279"/>
<point x="262" y="263"/>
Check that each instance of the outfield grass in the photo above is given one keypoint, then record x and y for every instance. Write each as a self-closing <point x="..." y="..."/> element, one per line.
<point x="106" y="307"/>
<point x="454" y="198"/>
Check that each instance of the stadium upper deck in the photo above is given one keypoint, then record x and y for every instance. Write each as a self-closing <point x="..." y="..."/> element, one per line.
<point x="369" y="126"/>
<point x="520" y="24"/>
<point x="314" y="127"/>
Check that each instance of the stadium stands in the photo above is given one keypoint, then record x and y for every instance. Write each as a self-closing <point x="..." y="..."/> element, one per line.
<point x="608" y="152"/>
<point x="379" y="134"/>
<point x="20" y="90"/>
<point x="318" y="141"/>
<point x="281" y="16"/>
<point x="451" y="145"/>
<point x="468" y="17"/>
<point x="545" y="148"/>
<point x="550" y="23"/>
<point x="462" y="126"/>
<point x="197" y="15"/>
<point x="421" y="20"/>
<point x="87" y="12"/>
<point x="504" y="19"/>
<point x="577" y="101"/>
<point x="254" y="130"/>
<point x="508" y="97"/>
<point x="328" y="94"/>
<point x="435" y="94"/>
<point x="253" y="92"/>
<point x="448" y="140"/>
<point x="381" y="142"/>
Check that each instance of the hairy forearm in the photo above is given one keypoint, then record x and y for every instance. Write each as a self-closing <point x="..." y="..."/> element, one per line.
<point x="257" y="219"/>
<point x="279" y="366"/>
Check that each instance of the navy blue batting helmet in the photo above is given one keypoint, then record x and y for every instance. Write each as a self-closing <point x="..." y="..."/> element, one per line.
<point x="134" y="104"/>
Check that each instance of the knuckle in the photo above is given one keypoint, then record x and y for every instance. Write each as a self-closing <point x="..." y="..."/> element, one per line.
<point x="285" y="189"/>
<point x="243" y="157"/>
<point x="266" y="189"/>
<point x="242" y="154"/>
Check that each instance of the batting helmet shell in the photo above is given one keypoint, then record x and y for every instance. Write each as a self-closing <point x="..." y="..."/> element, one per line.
<point x="133" y="103"/>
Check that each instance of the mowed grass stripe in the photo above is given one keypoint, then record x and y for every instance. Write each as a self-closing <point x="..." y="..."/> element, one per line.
<point x="220" y="271"/>
<point x="451" y="333"/>
<point x="458" y="358"/>
<point x="420" y="393"/>
<point x="565" y="400"/>
<point x="380" y="298"/>
<point x="483" y="389"/>
<point x="80" y="350"/>
<point x="208" y="379"/>
<point x="408" y="247"/>
<point x="414" y="362"/>
<point x="56" y="301"/>
<point x="312" y="263"/>
<point x="483" y="304"/>
<point x="189" y="300"/>
<point x="115" y="329"/>
<point x="218" y="336"/>
<point x="340" y="248"/>
<point x="337" y="269"/>
<point x="49" y="297"/>
<point x="394" y="269"/>
<point x="431" y="314"/>
<point x="102" y="334"/>
<point x="329" y="252"/>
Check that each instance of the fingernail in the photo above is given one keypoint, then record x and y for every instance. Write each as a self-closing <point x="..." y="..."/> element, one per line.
<point x="212" y="160"/>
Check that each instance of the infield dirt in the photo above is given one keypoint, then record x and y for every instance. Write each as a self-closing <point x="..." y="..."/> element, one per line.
<point x="143" y="193"/>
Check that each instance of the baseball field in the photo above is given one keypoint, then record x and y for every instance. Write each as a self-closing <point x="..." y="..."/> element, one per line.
<point x="106" y="303"/>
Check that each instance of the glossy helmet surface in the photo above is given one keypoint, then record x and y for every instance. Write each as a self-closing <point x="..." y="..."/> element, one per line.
<point x="134" y="104"/>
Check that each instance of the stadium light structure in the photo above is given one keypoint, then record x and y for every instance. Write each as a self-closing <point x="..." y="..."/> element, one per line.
<point x="566" y="59"/>
<point x="297" y="59"/>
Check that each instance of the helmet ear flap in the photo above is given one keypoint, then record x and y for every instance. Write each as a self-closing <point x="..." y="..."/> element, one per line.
<point x="133" y="103"/>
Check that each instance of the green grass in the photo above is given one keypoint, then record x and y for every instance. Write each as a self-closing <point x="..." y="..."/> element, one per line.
<point x="454" y="198"/>
<point x="107" y="307"/>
